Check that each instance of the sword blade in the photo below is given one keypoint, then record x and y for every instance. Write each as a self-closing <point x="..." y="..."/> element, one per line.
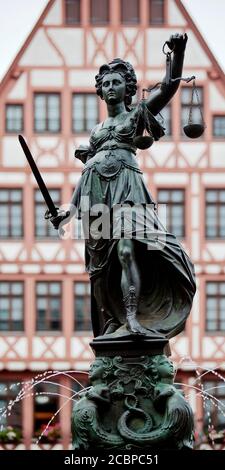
<point x="38" y="177"/>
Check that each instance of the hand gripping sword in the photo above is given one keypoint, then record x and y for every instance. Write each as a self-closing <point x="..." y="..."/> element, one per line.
<point x="41" y="184"/>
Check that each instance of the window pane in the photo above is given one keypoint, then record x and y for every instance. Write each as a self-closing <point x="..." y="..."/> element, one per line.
<point x="80" y="288"/>
<point x="156" y="8"/>
<point x="54" y="288"/>
<point x="42" y="288"/>
<point x="4" y="288"/>
<point x="130" y="11"/>
<point x="219" y="126"/>
<point x="85" y="112"/>
<point x="11" y="213"/>
<point x="48" y="306"/>
<point x="43" y="228"/>
<point x="82" y="306"/>
<point x="72" y="11"/>
<point x="175" y="214"/>
<point x="212" y="288"/>
<point x="214" y="410"/>
<point x="215" y="213"/>
<point x="14" y="117"/>
<point x="99" y="12"/>
<point x="46" y="404"/>
<point x="16" y="195"/>
<point x="11" y="306"/>
<point x="47" y="112"/>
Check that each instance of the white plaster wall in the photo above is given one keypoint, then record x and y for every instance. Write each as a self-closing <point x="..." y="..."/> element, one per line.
<point x="171" y="178"/>
<point x="195" y="55"/>
<point x="12" y="154"/>
<point x="40" y="52"/>
<point x="19" y="89"/>
<point x="175" y="16"/>
<point x="70" y="42"/>
<point x="48" y="78"/>
<point x="217" y="156"/>
<point x="82" y="78"/>
<point x="216" y="99"/>
<point x="54" y="15"/>
<point x="213" y="178"/>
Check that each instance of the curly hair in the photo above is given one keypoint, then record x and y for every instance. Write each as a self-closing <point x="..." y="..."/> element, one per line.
<point x="126" y="70"/>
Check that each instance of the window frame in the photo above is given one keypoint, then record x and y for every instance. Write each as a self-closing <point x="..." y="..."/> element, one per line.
<point x="218" y="116"/>
<point x="94" y="23"/>
<point x="86" y="319"/>
<point x="218" y="205"/>
<point x="7" y="398"/>
<point x="17" y="105"/>
<point x="10" y="297"/>
<point x="9" y="203"/>
<point x="48" y="296"/>
<point x="84" y="94"/>
<point x="65" y="14"/>
<point x="218" y="296"/>
<point x="211" y="385"/>
<point x="128" y="22"/>
<point x="154" y="23"/>
<point x="46" y="223"/>
<point x="47" y="94"/>
<point x="172" y="203"/>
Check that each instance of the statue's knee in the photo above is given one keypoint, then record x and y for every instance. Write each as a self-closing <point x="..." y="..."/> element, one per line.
<point x="125" y="252"/>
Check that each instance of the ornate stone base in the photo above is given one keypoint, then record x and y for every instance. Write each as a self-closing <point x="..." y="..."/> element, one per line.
<point x="132" y="402"/>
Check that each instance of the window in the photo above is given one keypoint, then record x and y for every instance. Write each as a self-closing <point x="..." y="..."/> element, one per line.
<point x="11" y="211"/>
<point x="82" y="310"/>
<point x="8" y="392"/>
<point x="43" y="227"/>
<point x="14" y="118"/>
<point x="48" y="298"/>
<point x="130" y="12"/>
<point x="11" y="306"/>
<point x="99" y="12"/>
<point x="214" y="408"/>
<point x="47" y="112"/>
<point x="197" y="108"/>
<point x="215" y="306"/>
<point x="46" y="404"/>
<point x="72" y="12"/>
<point x="175" y="210"/>
<point x="215" y="213"/>
<point x="165" y="120"/>
<point x="85" y="112"/>
<point x="219" y="126"/>
<point x="156" y="8"/>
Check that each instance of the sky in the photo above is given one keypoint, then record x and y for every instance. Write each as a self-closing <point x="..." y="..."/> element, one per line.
<point x="17" y="18"/>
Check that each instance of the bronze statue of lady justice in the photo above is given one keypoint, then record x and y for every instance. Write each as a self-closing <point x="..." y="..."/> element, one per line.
<point x="136" y="291"/>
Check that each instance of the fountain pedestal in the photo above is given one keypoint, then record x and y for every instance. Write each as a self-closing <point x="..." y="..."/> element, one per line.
<point x="132" y="402"/>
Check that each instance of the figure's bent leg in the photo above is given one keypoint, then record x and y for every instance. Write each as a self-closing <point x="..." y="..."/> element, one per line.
<point x="130" y="285"/>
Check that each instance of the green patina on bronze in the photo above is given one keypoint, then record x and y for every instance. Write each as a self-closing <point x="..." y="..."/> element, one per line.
<point x="142" y="285"/>
<point x="132" y="403"/>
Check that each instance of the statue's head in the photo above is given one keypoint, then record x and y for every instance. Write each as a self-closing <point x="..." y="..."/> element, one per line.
<point x="161" y="368"/>
<point x="125" y="72"/>
<point x="101" y="368"/>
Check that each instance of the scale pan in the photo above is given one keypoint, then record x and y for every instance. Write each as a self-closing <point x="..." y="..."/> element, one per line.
<point x="143" y="141"/>
<point x="193" y="130"/>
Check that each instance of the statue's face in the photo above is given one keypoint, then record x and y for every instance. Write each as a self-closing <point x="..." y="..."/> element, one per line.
<point x="96" y="370"/>
<point x="113" y="88"/>
<point x="165" y="368"/>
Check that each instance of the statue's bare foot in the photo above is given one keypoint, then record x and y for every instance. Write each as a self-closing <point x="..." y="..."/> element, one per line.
<point x="135" y="328"/>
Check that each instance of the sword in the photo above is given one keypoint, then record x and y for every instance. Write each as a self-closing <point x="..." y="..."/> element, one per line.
<point x="41" y="184"/>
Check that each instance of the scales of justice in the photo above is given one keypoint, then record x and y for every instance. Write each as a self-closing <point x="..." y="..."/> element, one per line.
<point x="142" y="282"/>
